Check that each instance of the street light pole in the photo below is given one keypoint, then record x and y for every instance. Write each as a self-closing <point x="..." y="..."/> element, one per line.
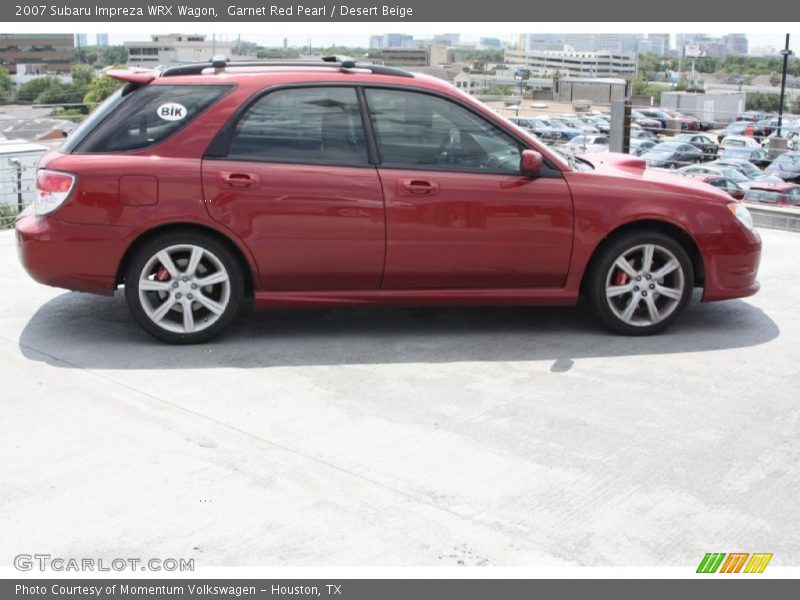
<point x="785" y="52"/>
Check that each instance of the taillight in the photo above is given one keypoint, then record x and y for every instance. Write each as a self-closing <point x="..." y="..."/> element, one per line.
<point x="52" y="189"/>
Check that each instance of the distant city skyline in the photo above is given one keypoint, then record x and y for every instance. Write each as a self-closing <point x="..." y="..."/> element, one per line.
<point x="756" y="40"/>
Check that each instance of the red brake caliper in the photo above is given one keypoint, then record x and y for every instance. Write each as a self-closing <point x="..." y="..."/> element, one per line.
<point x="162" y="274"/>
<point x="620" y="279"/>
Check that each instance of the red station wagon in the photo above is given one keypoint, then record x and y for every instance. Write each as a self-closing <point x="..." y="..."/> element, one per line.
<point x="335" y="184"/>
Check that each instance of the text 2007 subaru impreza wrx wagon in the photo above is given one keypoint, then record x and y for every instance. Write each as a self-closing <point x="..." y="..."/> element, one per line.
<point x="334" y="184"/>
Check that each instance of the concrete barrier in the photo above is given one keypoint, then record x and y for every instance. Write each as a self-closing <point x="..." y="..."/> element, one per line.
<point x="775" y="217"/>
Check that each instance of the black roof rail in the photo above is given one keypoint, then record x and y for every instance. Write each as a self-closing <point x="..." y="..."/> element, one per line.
<point x="220" y="63"/>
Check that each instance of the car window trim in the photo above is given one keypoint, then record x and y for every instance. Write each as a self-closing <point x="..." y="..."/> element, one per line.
<point x="548" y="170"/>
<point x="228" y="87"/>
<point x="219" y="148"/>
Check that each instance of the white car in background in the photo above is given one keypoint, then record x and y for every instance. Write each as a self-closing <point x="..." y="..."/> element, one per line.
<point x="737" y="141"/>
<point x="587" y="144"/>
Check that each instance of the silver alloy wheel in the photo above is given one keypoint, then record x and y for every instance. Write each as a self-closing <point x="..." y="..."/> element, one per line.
<point x="644" y="285"/>
<point x="184" y="288"/>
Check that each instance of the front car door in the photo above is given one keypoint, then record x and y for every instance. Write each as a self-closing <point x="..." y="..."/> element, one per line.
<point x="459" y="214"/>
<point x="292" y="179"/>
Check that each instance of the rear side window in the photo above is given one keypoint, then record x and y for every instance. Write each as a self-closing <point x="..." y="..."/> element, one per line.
<point x="150" y="116"/>
<point x="319" y="125"/>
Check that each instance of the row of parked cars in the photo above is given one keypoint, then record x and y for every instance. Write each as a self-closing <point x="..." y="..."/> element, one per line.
<point x="735" y="162"/>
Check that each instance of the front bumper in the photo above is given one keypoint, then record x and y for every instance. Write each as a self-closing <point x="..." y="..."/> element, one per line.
<point x="732" y="267"/>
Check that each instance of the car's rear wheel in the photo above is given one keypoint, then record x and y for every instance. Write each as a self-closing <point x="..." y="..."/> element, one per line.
<point x="184" y="287"/>
<point x="641" y="282"/>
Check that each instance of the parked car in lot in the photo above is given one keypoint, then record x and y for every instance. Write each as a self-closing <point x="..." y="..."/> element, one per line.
<point x="656" y="114"/>
<point x="588" y="144"/>
<point x="786" y="166"/>
<point x="716" y="170"/>
<point x="737" y="141"/>
<point x="643" y="134"/>
<point x="752" y="116"/>
<point x="729" y="186"/>
<point x="602" y="124"/>
<point x="744" y="166"/>
<point x="688" y="123"/>
<point x="701" y="141"/>
<point x="544" y="131"/>
<point x="339" y="184"/>
<point x="777" y="194"/>
<point x="639" y="146"/>
<point x="741" y="129"/>
<point x="577" y="124"/>
<point x="756" y="155"/>
<point x="645" y="122"/>
<point x="565" y="132"/>
<point x="672" y="155"/>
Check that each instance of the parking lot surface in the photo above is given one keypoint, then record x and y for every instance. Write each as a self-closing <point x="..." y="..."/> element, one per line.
<point x="474" y="436"/>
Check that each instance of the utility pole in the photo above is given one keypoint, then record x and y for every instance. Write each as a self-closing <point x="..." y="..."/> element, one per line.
<point x="786" y="53"/>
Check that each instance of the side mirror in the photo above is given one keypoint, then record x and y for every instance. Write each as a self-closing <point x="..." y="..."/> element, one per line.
<point x="530" y="163"/>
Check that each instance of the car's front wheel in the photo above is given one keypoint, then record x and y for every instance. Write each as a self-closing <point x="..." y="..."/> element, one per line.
<point x="184" y="287"/>
<point x="640" y="282"/>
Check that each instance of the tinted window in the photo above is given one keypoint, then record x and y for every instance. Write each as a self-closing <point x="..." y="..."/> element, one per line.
<point x="306" y="125"/>
<point x="151" y="115"/>
<point x="419" y="130"/>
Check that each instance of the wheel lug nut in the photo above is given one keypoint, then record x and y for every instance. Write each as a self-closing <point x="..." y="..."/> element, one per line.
<point x="174" y="284"/>
<point x="190" y="297"/>
<point x="194" y="286"/>
<point x="639" y="278"/>
<point x="636" y="288"/>
<point x="652" y="286"/>
<point x="185" y="278"/>
<point x="178" y="296"/>
<point x="647" y="277"/>
<point x="644" y="293"/>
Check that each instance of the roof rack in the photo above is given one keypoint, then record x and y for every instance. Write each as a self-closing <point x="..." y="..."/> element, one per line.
<point x="345" y="65"/>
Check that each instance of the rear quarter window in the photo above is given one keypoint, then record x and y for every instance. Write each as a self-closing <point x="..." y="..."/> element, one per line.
<point x="150" y="116"/>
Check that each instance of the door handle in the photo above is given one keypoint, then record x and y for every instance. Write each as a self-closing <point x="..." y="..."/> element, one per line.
<point x="417" y="187"/>
<point x="236" y="179"/>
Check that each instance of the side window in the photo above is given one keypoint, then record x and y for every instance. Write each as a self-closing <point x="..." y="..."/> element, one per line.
<point x="150" y="116"/>
<point x="417" y="130"/>
<point x="319" y="125"/>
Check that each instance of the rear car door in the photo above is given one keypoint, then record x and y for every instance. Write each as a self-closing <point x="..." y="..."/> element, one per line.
<point x="459" y="214"/>
<point x="290" y="176"/>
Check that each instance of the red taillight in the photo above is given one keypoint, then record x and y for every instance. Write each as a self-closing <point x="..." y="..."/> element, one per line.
<point x="52" y="189"/>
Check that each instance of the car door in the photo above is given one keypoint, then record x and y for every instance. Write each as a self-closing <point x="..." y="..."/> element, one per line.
<point x="291" y="177"/>
<point x="458" y="212"/>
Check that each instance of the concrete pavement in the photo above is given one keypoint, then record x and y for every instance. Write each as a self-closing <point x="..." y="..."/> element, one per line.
<point x="510" y="436"/>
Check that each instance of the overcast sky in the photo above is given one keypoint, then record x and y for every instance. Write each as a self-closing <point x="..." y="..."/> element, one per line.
<point x="359" y="39"/>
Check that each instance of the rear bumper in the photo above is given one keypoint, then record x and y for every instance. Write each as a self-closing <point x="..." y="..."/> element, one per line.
<point x="83" y="258"/>
<point x="732" y="269"/>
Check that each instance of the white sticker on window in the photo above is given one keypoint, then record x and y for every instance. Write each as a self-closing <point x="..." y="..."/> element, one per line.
<point x="171" y="111"/>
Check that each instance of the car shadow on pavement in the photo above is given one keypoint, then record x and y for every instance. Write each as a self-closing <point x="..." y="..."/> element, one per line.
<point x="84" y="331"/>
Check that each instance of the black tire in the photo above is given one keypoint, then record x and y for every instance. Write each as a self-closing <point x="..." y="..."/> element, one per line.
<point x="604" y="271"/>
<point x="225" y="296"/>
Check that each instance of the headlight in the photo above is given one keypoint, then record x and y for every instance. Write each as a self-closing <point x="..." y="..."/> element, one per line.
<point x="740" y="211"/>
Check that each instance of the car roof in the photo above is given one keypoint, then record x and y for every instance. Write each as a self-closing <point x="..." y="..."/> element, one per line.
<point x="257" y="73"/>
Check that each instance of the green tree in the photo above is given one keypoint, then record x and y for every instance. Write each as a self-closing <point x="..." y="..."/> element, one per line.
<point x="82" y="75"/>
<point x="6" y="84"/>
<point x="30" y="90"/>
<point x="762" y="101"/>
<point x="100" y="88"/>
